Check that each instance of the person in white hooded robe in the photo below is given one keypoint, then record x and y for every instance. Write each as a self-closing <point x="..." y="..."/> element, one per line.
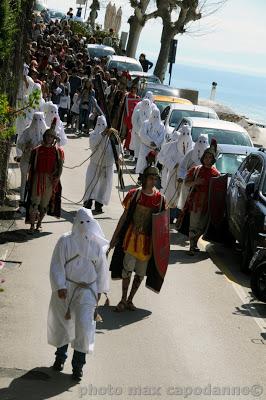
<point x="100" y="172"/>
<point x="162" y="155"/>
<point x="152" y="136"/>
<point x="78" y="275"/>
<point x="149" y="95"/>
<point x="191" y="159"/>
<point x="30" y="138"/>
<point x="22" y="121"/>
<point x="172" y="157"/>
<point x="140" y="114"/>
<point x="51" y="112"/>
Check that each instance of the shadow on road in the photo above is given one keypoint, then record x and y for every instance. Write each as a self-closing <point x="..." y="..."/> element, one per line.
<point x="182" y="257"/>
<point x="178" y="239"/>
<point x="228" y="261"/>
<point x="20" y="236"/>
<point x="37" y="384"/>
<point x="248" y="310"/>
<point x="113" y="320"/>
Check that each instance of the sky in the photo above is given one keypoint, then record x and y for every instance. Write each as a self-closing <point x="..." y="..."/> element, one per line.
<point x="232" y="39"/>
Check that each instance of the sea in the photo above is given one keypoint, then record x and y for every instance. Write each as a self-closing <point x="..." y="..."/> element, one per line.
<point x="245" y="94"/>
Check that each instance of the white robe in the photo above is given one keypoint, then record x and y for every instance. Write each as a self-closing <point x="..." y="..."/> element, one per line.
<point x="30" y="138"/>
<point x="149" y="134"/>
<point x="89" y="268"/>
<point x="171" y="159"/>
<point x="24" y="120"/>
<point x="135" y="140"/>
<point x="51" y="112"/>
<point x="100" y="172"/>
<point x="164" y="173"/>
<point x="141" y="113"/>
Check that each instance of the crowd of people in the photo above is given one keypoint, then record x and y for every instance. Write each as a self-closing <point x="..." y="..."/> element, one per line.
<point x="173" y="173"/>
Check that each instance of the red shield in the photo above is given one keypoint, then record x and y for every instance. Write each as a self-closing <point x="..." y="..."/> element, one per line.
<point x="216" y="230"/>
<point x="161" y="241"/>
<point x="217" y="199"/>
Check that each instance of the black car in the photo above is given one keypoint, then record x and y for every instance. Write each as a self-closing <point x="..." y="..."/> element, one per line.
<point x="246" y="205"/>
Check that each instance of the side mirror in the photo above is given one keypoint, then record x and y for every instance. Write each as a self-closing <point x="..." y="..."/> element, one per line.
<point x="250" y="189"/>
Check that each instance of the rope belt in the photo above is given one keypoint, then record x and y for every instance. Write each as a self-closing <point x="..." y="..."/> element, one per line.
<point x="80" y="285"/>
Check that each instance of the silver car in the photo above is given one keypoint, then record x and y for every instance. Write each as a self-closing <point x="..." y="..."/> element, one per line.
<point x="174" y="114"/>
<point x="223" y="131"/>
<point x="121" y="63"/>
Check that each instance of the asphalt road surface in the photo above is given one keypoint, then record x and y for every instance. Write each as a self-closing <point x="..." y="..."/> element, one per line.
<point x="202" y="337"/>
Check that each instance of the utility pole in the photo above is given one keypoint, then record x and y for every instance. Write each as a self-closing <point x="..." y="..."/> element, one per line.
<point x="172" y="57"/>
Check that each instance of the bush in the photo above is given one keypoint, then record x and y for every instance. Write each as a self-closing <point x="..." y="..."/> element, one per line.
<point x="9" y="114"/>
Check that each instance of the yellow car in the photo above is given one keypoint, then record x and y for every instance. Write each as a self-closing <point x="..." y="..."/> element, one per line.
<point x="164" y="101"/>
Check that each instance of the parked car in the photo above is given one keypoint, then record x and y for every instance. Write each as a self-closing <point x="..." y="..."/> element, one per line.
<point x="257" y="268"/>
<point x="246" y="205"/>
<point x="122" y="63"/>
<point x="160" y="89"/>
<point x="230" y="157"/>
<point x="174" y="114"/>
<point x="55" y="14"/>
<point x="99" y="50"/>
<point x="223" y="131"/>
<point x="228" y="160"/>
<point x="165" y="90"/>
<point x="145" y="77"/>
<point x="164" y="101"/>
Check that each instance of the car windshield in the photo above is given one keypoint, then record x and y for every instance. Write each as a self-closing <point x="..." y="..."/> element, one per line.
<point x="163" y="91"/>
<point x="56" y="14"/>
<point x="229" y="163"/>
<point x="177" y="116"/>
<point x="151" y="78"/>
<point x="162" y="105"/>
<point x="124" y="66"/>
<point x="99" y="52"/>
<point x="222" y="136"/>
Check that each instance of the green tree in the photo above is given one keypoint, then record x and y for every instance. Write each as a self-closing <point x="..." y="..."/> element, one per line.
<point x="15" y="26"/>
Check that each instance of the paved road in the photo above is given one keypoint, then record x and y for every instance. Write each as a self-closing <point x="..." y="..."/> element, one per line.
<point x="201" y="337"/>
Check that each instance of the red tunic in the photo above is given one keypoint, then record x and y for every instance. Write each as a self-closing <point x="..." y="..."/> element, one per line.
<point x="45" y="164"/>
<point x="138" y="238"/>
<point x="130" y="105"/>
<point x="198" y="199"/>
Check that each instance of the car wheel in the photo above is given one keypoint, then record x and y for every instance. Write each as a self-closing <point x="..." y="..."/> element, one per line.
<point x="258" y="282"/>
<point x="247" y="255"/>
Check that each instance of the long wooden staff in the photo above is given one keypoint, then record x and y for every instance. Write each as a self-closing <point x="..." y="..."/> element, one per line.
<point x="101" y="98"/>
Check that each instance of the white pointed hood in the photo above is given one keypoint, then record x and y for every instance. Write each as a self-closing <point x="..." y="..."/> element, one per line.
<point x="149" y="96"/>
<point x="200" y="146"/>
<point x="184" y="140"/>
<point x="101" y="125"/>
<point x="37" y="128"/>
<point x="145" y="110"/>
<point x="86" y="228"/>
<point x="156" y="127"/>
<point x="51" y="112"/>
